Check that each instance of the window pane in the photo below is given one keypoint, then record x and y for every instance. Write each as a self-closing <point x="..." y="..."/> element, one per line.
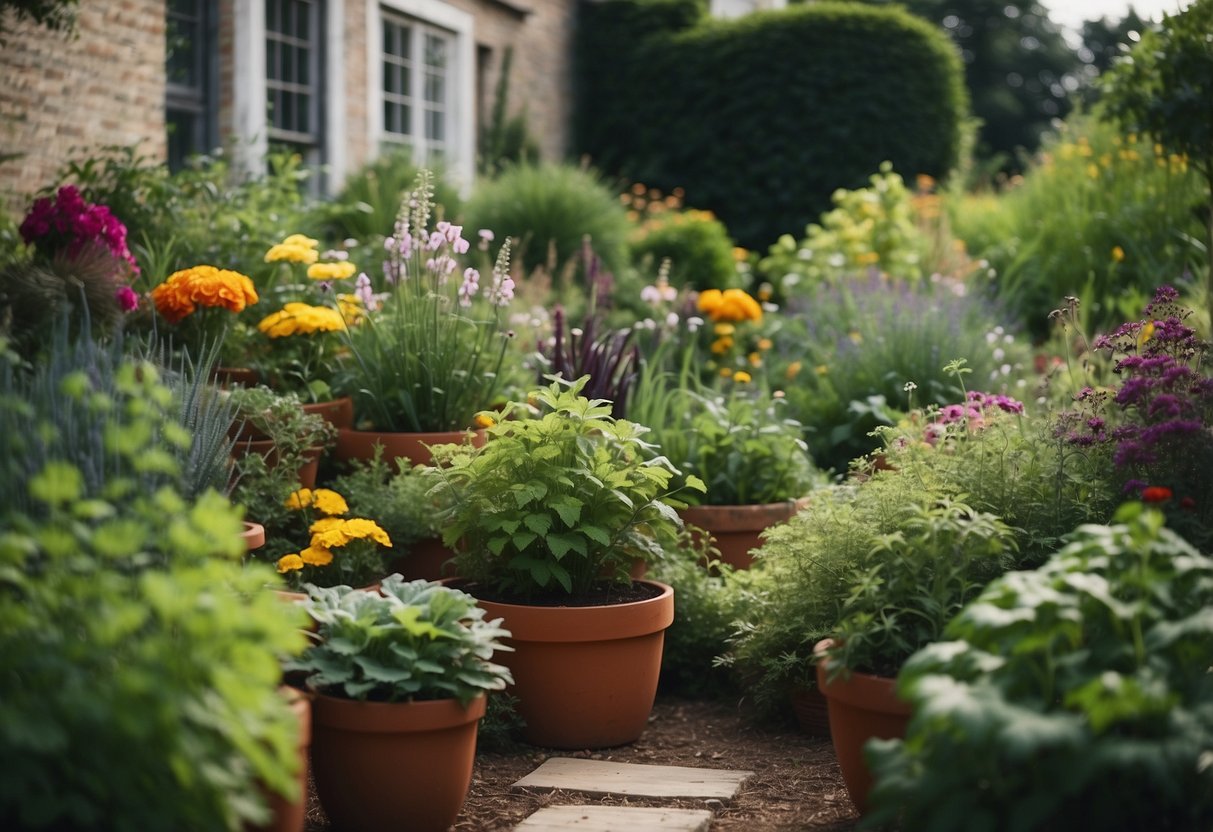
<point x="434" y="88"/>
<point x="435" y="52"/>
<point x="435" y="126"/>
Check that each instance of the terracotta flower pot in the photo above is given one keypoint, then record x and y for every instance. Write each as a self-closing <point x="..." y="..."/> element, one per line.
<point x="426" y="558"/>
<point x="811" y="711"/>
<point x="291" y="815"/>
<point x="861" y="706"/>
<point x="232" y="376"/>
<point x="360" y="444"/>
<point x="737" y="529"/>
<point x="266" y="449"/>
<point x="585" y="677"/>
<point x="253" y="536"/>
<point x="337" y="412"/>
<point x="383" y="767"/>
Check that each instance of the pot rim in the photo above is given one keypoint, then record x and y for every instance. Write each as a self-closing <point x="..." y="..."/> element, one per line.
<point x="390" y="717"/>
<point x="588" y="623"/>
<point x="860" y="690"/>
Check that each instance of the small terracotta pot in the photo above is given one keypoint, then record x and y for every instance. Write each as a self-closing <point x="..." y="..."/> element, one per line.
<point x="253" y="536"/>
<point x="337" y="412"/>
<point x="235" y="376"/>
<point x="737" y="529"/>
<point x="360" y="444"/>
<point x="585" y="677"/>
<point x="291" y="815"/>
<point x="266" y="449"/>
<point x="383" y="767"/>
<point x="861" y="707"/>
<point x="426" y="558"/>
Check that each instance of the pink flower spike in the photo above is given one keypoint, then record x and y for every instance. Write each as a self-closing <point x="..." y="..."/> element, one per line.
<point x="128" y="299"/>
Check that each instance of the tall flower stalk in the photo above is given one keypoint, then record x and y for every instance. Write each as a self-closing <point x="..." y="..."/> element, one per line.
<point x="430" y="357"/>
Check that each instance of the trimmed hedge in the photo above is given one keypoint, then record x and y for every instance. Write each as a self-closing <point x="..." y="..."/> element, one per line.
<point x="759" y="119"/>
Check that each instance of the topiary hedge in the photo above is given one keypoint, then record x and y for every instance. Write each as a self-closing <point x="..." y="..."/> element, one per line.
<point x="761" y="118"/>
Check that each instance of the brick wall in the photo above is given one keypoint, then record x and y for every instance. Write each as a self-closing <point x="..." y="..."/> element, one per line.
<point x="59" y="94"/>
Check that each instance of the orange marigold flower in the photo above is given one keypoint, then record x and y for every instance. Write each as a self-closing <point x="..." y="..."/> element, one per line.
<point x="185" y="290"/>
<point x="1155" y="494"/>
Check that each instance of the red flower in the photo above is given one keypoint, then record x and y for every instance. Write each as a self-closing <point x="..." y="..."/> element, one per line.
<point x="1155" y="494"/>
<point x="1188" y="504"/>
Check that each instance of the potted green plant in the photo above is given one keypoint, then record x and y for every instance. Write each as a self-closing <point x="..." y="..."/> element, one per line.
<point x="1071" y="696"/>
<point x="131" y="701"/>
<point x="548" y="517"/>
<point x="400" y="678"/>
<point x="275" y="427"/>
<point x="429" y="355"/>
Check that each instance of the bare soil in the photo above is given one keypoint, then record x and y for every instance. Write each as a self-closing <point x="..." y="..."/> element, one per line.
<point x="796" y="782"/>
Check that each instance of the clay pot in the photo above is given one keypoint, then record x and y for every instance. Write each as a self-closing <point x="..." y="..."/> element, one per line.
<point x="265" y="448"/>
<point x="360" y="444"/>
<point x="811" y="711"/>
<point x="253" y="536"/>
<point x="737" y="529"/>
<point x="291" y="815"/>
<point x="227" y="377"/>
<point x="337" y="412"/>
<point x="585" y="677"/>
<point x="861" y="706"/>
<point x="383" y="767"/>
<point x="426" y="558"/>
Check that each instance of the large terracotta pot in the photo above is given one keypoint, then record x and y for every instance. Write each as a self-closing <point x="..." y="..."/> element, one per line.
<point x="585" y="677"/>
<point x="384" y="767"/>
<point x="291" y="815"/>
<point x="737" y="529"/>
<point x="337" y="412"/>
<point x="360" y="444"/>
<point x="861" y="706"/>
<point x="426" y="558"/>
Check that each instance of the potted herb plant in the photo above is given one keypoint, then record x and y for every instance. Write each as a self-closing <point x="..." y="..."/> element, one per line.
<point x="400" y="679"/>
<point x="275" y="427"/>
<point x="548" y="517"/>
<point x="429" y="356"/>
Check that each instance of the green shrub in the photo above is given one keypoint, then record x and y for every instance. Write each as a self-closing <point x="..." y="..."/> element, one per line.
<point x="1098" y="216"/>
<point x="1074" y="696"/>
<point x="697" y="245"/>
<point x="550" y="210"/>
<point x="850" y="351"/>
<point x="762" y="117"/>
<point x="139" y="689"/>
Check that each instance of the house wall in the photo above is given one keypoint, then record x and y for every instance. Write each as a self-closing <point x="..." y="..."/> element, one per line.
<point x="104" y="86"/>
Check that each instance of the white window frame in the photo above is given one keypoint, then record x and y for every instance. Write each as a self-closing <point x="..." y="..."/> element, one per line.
<point x="249" y="98"/>
<point x="460" y="143"/>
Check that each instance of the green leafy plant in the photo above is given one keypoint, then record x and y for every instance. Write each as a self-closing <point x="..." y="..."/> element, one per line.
<point x="697" y="245"/>
<point x="141" y="657"/>
<point x="431" y="355"/>
<point x="558" y="499"/>
<point x="396" y="499"/>
<point x="407" y="642"/>
<point x="262" y="413"/>
<point x="1074" y="695"/>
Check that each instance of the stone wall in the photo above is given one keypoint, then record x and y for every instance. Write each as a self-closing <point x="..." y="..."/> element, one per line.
<point x="60" y="94"/>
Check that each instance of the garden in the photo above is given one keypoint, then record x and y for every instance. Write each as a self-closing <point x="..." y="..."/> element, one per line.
<point x="349" y="512"/>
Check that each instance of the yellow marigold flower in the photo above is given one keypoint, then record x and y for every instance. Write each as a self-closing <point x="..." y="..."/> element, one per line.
<point x="924" y="182"/>
<point x="357" y="528"/>
<point x="291" y="253"/>
<point x="725" y="372"/>
<point x="316" y="556"/>
<point x="740" y="254"/>
<point x="724" y="329"/>
<point x="710" y="300"/>
<point x="301" y="240"/>
<point x="289" y="563"/>
<point x="722" y="345"/>
<point x="765" y="344"/>
<point x="1118" y="254"/>
<point x="331" y="271"/>
<point x="741" y="377"/>
<point x="793" y="370"/>
<point x="755" y="359"/>
<point x="484" y="420"/>
<point x="329" y="502"/>
<point x="729" y="305"/>
<point x="301" y="319"/>
<point x="299" y="499"/>
<point x="187" y="289"/>
<point x="324" y="524"/>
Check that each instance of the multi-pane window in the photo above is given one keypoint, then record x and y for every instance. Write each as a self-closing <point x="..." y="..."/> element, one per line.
<point x="189" y="111"/>
<point x="417" y="62"/>
<point x="292" y="72"/>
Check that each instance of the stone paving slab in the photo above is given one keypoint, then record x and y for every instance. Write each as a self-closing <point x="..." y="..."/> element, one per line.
<point x="604" y="777"/>
<point x="616" y="819"/>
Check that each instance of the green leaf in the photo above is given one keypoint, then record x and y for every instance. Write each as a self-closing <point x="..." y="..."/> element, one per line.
<point x="540" y="524"/>
<point x="597" y="534"/>
<point x="569" y="509"/>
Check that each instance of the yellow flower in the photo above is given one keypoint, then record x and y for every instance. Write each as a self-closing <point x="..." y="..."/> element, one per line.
<point x="301" y="319"/>
<point x="1093" y="171"/>
<point x="301" y="240"/>
<point x="331" y="271"/>
<point x="299" y="499"/>
<point x="484" y="420"/>
<point x="867" y="258"/>
<point x="1118" y="254"/>
<point x="765" y="344"/>
<point x="856" y="336"/>
<point x="289" y="563"/>
<point x="722" y="345"/>
<point x="1146" y="333"/>
<point x="187" y="289"/>
<point x="724" y="329"/>
<point x="342" y="533"/>
<point x="740" y="255"/>
<point x="755" y="359"/>
<point x="287" y="253"/>
<point x="329" y="502"/>
<point x="725" y="372"/>
<point x="324" y="524"/>
<point x="821" y="369"/>
<point x="729" y="305"/>
<point x="741" y="377"/>
<point x="793" y="370"/>
<point x="316" y="556"/>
